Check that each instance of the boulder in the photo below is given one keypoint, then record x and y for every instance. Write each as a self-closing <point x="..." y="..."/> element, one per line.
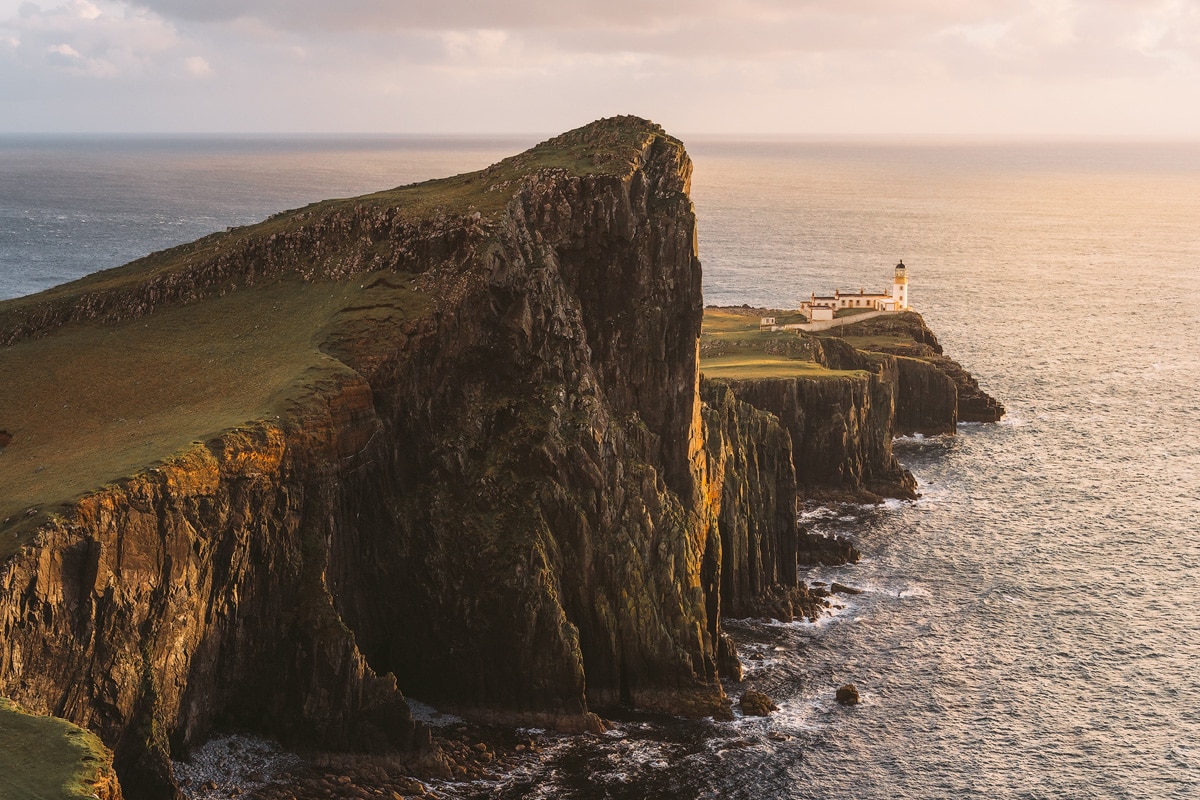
<point x="756" y="704"/>
<point x="847" y="695"/>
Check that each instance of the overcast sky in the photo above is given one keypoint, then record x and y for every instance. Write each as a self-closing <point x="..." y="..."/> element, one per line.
<point x="809" y="67"/>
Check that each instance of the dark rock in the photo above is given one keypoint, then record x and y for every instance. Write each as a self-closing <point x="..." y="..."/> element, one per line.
<point x="729" y="666"/>
<point x="5" y="439"/>
<point x="847" y="695"/>
<point x="839" y="588"/>
<point x="831" y="550"/>
<point x="756" y="704"/>
<point x="841" y="432"/>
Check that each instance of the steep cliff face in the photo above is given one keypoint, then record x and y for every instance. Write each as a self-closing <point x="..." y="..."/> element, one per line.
<point x="192" y="594"/>
<point x="540" y="550"/>
<point x="923" y="394"/>
<point x="842" y="397"/>
<point x="841" y="431"/>
<point x="927" y="400"/>
<point x="750" y="459"/>
<point x="499" y="498"/>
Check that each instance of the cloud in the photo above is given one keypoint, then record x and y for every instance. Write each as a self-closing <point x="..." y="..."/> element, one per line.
<point x="197" y="65"/>
<point x="63" y="50"/>
<point x="521" y="65"/>
<point x="85" y="38"/>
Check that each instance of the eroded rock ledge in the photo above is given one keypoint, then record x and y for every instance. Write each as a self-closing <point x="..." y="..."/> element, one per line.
<point x="498" y="485"/>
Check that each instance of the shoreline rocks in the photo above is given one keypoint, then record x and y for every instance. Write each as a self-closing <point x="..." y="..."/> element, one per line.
<point x="756" y="704"/>
<point x="847" y="695"/>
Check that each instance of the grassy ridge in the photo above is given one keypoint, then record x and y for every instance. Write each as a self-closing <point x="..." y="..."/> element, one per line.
<point x="91" y="403"/>
<point x="88" y="403"/>
<point x="732" y="346"/>
<point x="44" y="758"/>
<point x="606" y="147"/>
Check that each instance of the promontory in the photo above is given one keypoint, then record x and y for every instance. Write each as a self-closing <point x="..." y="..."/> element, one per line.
<point x="448" y="441"/>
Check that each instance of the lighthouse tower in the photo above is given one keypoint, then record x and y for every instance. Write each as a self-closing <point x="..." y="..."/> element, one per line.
<point x="900" y="288"/>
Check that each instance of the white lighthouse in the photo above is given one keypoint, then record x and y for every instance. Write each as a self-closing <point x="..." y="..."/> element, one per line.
<point x="900" y="288"/>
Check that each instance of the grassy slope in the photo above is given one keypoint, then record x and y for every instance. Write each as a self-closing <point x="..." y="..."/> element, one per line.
<point x="732" y="346"/>
<point x="92" y="403"/>
<point x="899" y="334"/>
<point x="43" y="758"/>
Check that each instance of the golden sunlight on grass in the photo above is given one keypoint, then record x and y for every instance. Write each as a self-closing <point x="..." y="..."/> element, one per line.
<point x="44" y="758"/>
<point x="90" y="403"/>
<point x="732" y="346"/>
<point x="765" y="366"/>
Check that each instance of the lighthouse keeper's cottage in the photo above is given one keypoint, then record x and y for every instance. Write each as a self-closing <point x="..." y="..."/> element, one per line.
<point x="819" y="308"/>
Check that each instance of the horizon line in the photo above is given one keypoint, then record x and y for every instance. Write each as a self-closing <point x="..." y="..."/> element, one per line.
<point x="700" y="136"/>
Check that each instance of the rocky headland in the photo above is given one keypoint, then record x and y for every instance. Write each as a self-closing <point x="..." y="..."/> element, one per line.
<point x="448" y="441"/>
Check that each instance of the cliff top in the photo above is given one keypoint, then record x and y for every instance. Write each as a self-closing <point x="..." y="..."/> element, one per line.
<point x="49" y="758"/>
<point x="732" y="346"/>
<point x="112" y="373"/>
<point x="612" y="146"/>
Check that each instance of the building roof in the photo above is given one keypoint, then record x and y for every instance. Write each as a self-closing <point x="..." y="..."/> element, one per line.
<point x="868" y="294"/>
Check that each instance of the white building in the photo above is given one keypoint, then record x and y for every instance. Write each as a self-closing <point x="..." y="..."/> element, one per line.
<point x="818" y="308"/>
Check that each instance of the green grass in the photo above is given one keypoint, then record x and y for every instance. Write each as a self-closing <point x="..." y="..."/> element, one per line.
<point x="92" y="403"/>
<point x="44" y="758"/>
<point x="873" y="342"/>
<point x="740" y="320"/>
<point x="767" y="366"/>
<point x="732" y="346"/>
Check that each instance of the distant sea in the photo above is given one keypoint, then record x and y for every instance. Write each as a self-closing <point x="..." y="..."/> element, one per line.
<point x="1030" y="628"/>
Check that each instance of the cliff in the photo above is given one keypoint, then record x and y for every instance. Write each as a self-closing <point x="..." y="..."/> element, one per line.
<point x="447" y="440"/>
<point x="925" y="402"/>
<point x="844" y="396"/>
<point x="756" y="543"/>
<point x="841" y="432"/>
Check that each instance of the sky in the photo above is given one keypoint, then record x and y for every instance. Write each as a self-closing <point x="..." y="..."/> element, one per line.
<point x="979" y="68"/>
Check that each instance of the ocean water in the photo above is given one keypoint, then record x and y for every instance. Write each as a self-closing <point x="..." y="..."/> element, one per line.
<point x="1029" y="628"/>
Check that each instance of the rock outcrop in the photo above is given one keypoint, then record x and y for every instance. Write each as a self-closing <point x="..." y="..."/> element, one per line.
<point x="923" y="403"/>
<point x="841" y="431"/>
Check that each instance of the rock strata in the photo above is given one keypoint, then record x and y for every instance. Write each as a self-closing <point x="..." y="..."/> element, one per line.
<point x="501" y="503"/>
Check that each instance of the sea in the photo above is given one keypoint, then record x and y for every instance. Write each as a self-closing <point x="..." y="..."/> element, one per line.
<point x="1029" y="627"/>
